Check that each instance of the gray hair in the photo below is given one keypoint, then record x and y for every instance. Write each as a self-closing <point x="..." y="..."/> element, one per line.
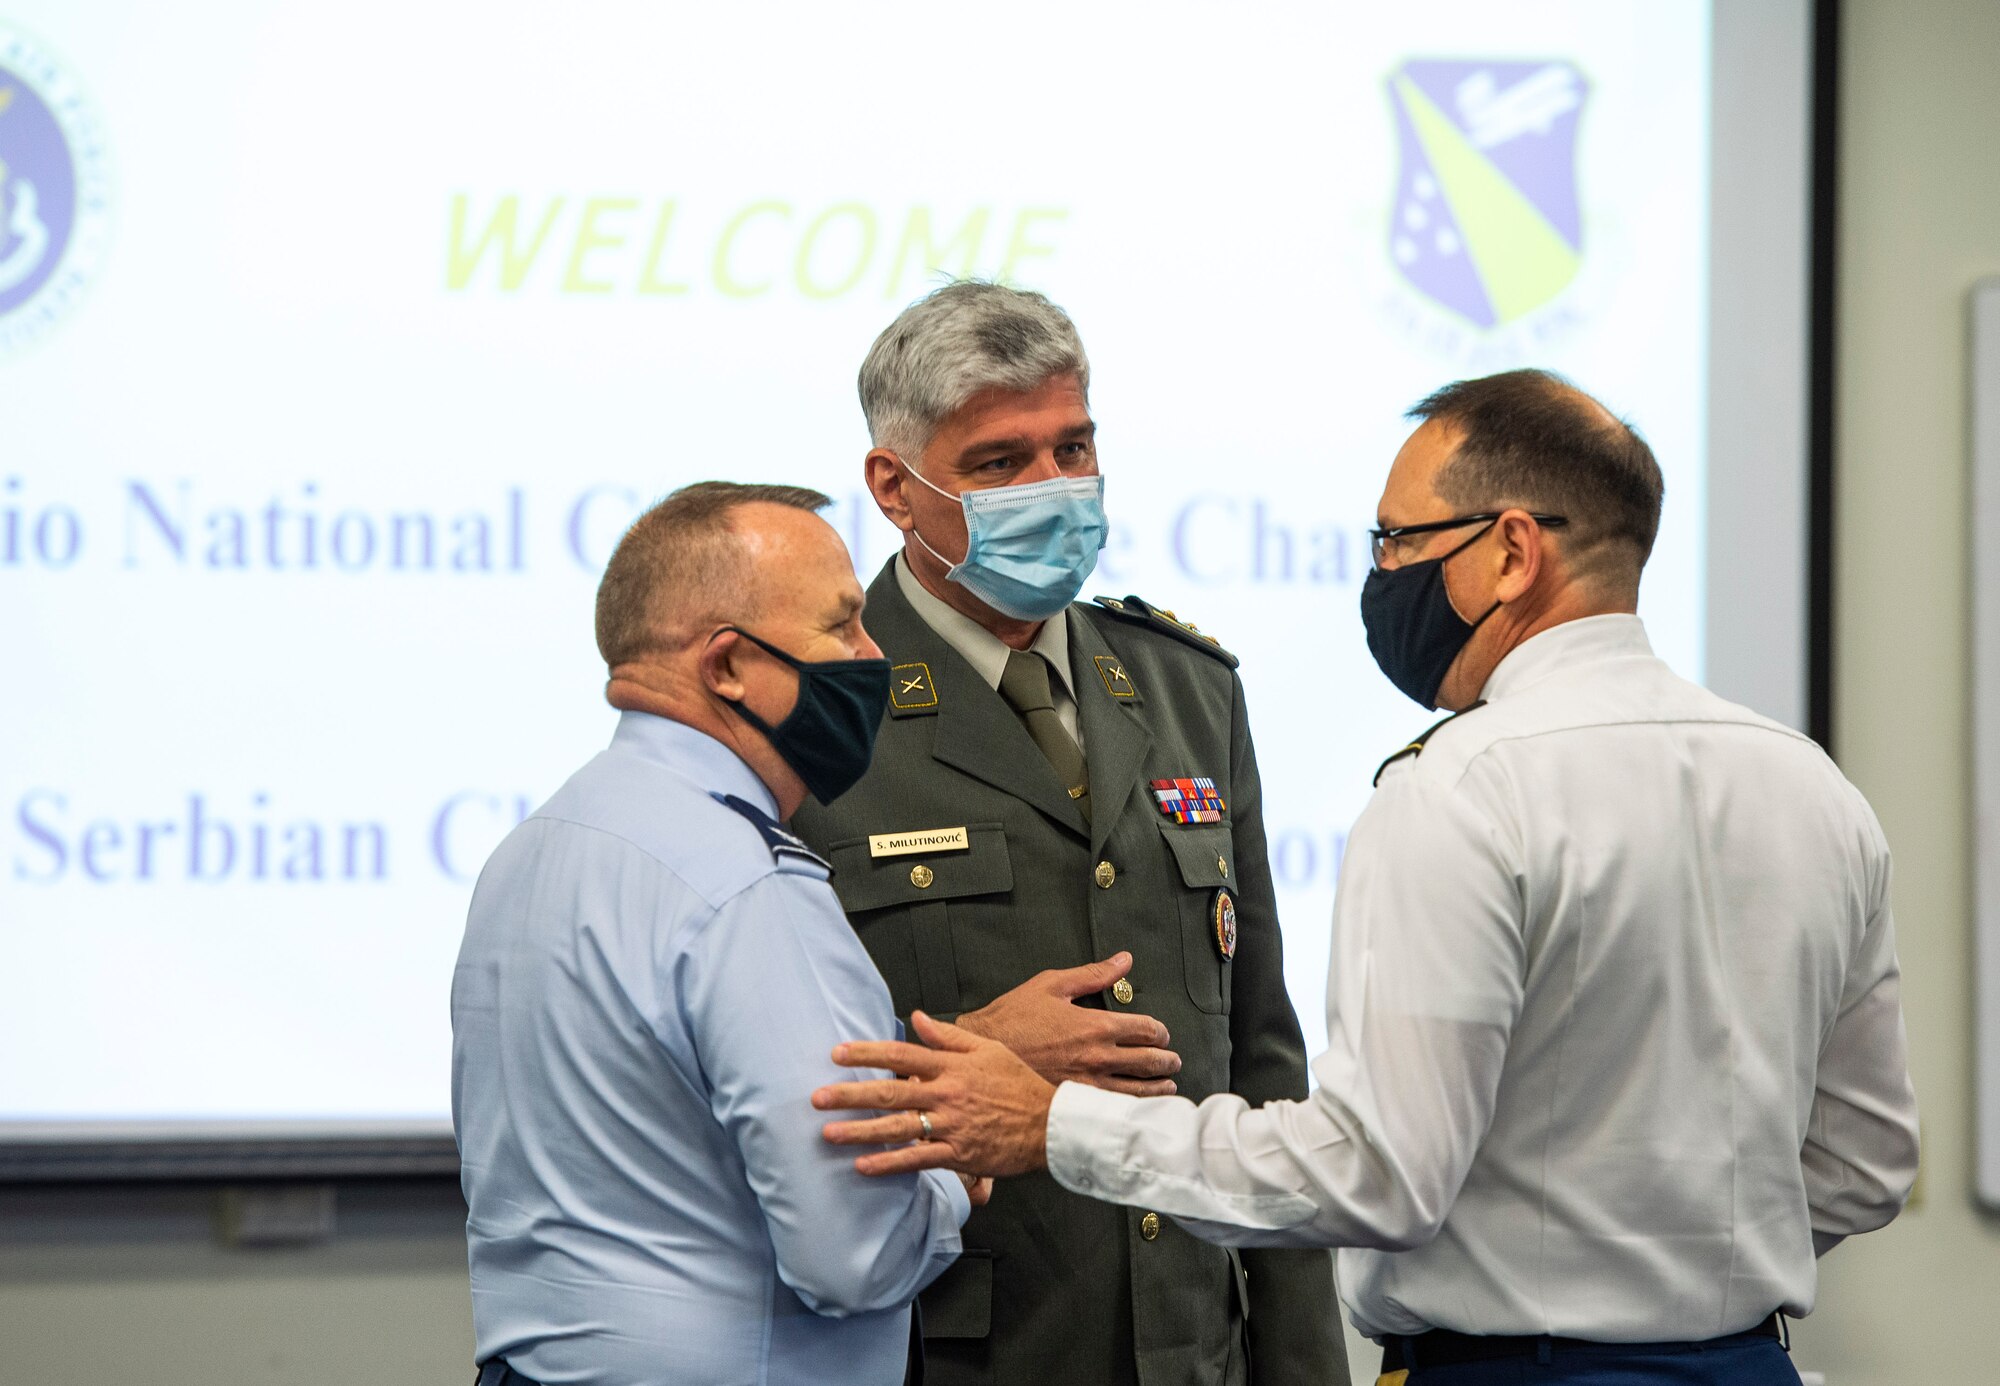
<point x="683" y="566"/>
<point x="954" y="342"/>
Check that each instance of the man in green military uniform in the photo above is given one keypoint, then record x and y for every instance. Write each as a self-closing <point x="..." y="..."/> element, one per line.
<point x="1060" y="845"/>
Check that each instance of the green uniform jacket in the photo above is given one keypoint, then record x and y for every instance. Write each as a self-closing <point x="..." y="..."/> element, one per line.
<point x="1054" y="1288"/>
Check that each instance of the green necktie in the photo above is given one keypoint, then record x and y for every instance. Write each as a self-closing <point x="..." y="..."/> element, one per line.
<point x="1025" y="686"/>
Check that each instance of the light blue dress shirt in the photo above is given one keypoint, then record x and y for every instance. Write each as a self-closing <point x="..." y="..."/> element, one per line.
<point x="646" y="996"/>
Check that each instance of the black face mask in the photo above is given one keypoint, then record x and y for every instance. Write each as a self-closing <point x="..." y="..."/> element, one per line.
<point x="828" y="738"/>
<point x="1413" y="632"/>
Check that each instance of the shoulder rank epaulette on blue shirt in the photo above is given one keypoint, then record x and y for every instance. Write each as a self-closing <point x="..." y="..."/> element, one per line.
<point x="1143" y="612"/>
<point x="1416" y="748"/>
<point x="784" y="844"/>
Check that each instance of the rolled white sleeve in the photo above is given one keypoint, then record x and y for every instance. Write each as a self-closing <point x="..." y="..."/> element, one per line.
<point x="1860" y="1152"/>
<point x="1426" y="987"/>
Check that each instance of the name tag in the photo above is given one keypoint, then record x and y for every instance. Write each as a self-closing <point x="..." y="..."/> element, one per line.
<point x="923" y="840"/>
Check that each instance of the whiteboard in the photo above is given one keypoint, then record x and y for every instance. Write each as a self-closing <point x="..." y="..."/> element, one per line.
<point x="1986" y="717"/>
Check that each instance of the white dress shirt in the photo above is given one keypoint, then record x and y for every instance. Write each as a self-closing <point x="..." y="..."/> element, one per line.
<point x="987" y="653"/>
<point x="1614" y="1036"/>
<point x="646" y="996"/>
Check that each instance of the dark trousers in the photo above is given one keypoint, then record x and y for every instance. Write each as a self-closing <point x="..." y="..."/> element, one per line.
<point x="1742" y="1359"/>
<point x="496" y="1372"/>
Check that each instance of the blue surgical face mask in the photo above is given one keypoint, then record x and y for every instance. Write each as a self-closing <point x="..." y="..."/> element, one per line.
<point x="1028" y="548"/>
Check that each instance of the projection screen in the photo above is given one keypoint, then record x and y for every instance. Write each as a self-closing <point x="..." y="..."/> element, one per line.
<point x="339" y="343"/>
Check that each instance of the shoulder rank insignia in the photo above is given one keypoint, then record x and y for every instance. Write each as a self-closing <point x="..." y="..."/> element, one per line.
<point x="1416" y="748"/>
<point x="1190" y="799"/>
<point x="1143" y="612"/>
<point x="786" y="846"/>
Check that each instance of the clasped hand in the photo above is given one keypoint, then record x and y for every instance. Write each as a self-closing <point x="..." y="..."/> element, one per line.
<point x="980" y="1102"/>
<point x="982" y="1109"/>
<point x="1040" y="1021"/>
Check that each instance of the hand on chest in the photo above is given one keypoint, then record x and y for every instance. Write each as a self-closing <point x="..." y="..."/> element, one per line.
<point x="962" y="888"/>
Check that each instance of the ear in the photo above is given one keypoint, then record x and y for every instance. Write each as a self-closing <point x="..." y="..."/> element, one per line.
<point x="887" y="483"/>
<point x="1521" y="556"/>
<point x="719" y="674"/>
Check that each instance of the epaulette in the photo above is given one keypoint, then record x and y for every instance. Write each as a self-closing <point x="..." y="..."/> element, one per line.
<point x="1143" y="612"/>
<point x="1416" y="748"/>
<point x="786" y="846"/>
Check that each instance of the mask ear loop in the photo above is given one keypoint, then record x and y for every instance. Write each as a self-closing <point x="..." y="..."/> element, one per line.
<point x="1484" y="530"/>
<point x="920" y="534"/>
<point x="766" y="646"/>
<point x="737" y="705"/>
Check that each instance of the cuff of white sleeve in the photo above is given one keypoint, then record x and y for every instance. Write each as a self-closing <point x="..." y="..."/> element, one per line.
<point x="1086" y="1137"/>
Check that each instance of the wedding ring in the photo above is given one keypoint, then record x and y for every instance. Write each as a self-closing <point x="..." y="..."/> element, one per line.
<point x="924" y="1121"/>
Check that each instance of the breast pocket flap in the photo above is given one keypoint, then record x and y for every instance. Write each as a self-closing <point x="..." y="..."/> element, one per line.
<point x="959" y="1303"/>
<point x="864" y="882"/>
<point x="1205" y="855"/>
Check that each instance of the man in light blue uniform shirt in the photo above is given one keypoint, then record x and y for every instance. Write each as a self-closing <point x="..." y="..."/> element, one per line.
<point x="653" y="975"/>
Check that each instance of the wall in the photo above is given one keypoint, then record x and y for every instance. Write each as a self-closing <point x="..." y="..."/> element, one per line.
<point x="93" y="1288"/>
<point x="100" y="1286"/>
<point x="1919" y="223"/>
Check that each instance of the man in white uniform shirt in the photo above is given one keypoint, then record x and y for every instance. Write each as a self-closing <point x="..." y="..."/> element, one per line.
<point x="1615" y="1040"/>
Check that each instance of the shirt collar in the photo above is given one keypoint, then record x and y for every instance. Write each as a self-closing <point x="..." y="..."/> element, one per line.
<point x="1587" y="640"/>
<point x="981" y="648"/>
<point x="695" y="756"/>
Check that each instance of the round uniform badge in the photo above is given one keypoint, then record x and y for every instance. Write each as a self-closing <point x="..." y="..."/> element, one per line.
<point x="1223" y="915"/>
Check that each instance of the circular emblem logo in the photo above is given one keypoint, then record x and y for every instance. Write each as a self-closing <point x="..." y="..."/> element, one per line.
<point x="1224" y="916"/>
<point x="54" y="193"/>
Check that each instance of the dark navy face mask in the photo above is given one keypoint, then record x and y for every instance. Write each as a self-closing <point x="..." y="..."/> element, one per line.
<point x="828" y="738"/>
<point x="1413" y="630"/>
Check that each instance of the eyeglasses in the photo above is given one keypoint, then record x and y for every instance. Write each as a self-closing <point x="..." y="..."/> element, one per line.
<point x="1379" y="540"/>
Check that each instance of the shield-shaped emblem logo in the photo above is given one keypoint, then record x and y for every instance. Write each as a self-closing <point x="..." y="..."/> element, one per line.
<point x="1486" y="220"/>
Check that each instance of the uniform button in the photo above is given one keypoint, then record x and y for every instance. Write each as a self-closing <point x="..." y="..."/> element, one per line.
<point x="1222" y="865"/>
<point x="1122" y="989"/>
<point x="921" y="877"/>
<point x="1105" y="874"/>
<point x="1149" y="1226"/>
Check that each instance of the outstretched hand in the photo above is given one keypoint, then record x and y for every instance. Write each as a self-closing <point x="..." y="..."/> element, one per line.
<point x="988" y="1111"/>
<point x="1040" y="1021"/>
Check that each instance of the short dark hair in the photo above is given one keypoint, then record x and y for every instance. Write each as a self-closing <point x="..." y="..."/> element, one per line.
<point x="1532" y="439"/>
<point x="681" y="566"/>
